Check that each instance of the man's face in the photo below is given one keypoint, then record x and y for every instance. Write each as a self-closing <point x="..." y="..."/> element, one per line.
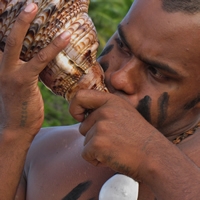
<point x="153" y="61"/>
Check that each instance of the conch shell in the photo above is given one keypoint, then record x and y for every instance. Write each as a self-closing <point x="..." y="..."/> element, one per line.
<point x="75" y="67"/>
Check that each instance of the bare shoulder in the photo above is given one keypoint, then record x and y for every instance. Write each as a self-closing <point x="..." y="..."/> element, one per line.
<point x="190" y="146"/>
<point x="55" y="167"/>
<point x="52" y="138"/>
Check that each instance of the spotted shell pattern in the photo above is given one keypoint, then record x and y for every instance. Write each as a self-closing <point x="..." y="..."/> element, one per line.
<point x="75" y="67"/>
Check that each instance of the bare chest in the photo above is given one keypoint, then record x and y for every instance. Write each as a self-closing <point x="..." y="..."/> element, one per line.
<point x="56" y="175"/>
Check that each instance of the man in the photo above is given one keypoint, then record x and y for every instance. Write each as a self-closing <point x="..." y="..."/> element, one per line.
<point x="152" y="68"/>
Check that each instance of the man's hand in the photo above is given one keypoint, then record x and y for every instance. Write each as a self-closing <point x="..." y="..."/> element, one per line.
<point x="117" y="136"/>
<point x="115" y="133"/>
<point x="21" y="104"/>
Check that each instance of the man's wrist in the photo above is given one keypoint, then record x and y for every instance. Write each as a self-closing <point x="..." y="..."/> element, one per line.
<point x="16" y="137"/>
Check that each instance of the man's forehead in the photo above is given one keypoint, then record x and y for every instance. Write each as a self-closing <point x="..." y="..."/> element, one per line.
<point x="166" y="7"/>
<point x="148" y="19"/>
<point x="171" y="6"/>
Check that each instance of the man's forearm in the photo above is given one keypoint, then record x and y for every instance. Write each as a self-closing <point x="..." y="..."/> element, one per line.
<point x="170" y="174"/>
<point x="12" y="157"/>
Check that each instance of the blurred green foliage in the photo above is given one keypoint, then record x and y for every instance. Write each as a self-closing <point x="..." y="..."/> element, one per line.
<point x="106" y="15"/>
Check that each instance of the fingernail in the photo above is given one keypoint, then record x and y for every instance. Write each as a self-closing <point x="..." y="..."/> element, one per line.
<point x="30" y="7"/>
<point x="65" y="35"/>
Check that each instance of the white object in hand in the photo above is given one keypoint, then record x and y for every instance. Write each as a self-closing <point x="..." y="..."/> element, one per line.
<point x="119" y="187"/>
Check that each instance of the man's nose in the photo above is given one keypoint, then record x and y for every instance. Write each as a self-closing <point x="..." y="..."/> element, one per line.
<point x="127" y="78"/>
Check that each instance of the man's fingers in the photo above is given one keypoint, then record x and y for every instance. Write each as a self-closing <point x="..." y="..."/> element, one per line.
<point x="86" y="125"/>
<point x="92" y="153"/>
<point x="44" y="56"/>
<point x="87" y="100"/>
<point x="15" y="38"/>
<point x="89" y="135"/>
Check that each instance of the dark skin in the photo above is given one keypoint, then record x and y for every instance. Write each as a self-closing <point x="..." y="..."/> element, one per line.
<point x="158" y="79"/>
<point x="151" y="71"/>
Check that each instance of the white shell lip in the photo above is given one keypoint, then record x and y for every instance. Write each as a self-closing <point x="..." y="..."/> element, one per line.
<point x="119" y="187"/>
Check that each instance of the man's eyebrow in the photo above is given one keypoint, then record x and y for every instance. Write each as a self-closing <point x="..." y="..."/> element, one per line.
<point x="123" y="37"/>
<point x="159" y="65"/>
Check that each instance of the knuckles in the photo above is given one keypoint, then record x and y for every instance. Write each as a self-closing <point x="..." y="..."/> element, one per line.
<point x="97" y="151"/>
<point x="105" y="113"/>
<point x="22" y="20"/>
<point x="79" y="95"/>
<point x="56" y="44"/>
<point x="14" y="80"/>
<point x="42" y="57"/>
<point x="10" y="42"/>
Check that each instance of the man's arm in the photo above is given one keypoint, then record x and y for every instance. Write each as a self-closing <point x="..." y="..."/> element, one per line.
<point x="169" y="172"/>
<point x="21" y="104"/>
<point x="124" y="141"/>
<point x="21" y="189"/>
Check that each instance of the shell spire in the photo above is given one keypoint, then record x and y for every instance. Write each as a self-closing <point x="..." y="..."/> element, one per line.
<point x="75" y="67"/>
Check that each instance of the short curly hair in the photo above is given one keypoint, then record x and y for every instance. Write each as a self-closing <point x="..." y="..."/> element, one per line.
<point x="186" y="6"/>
